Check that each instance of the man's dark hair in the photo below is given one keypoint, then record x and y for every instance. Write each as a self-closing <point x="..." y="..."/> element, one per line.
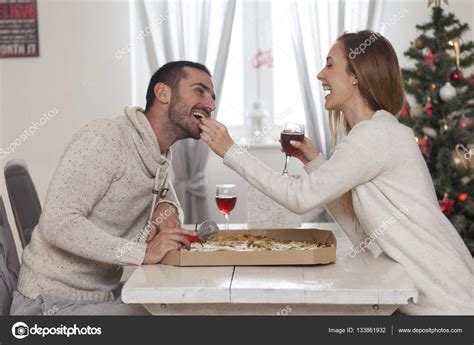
<point x="170" y="74"/>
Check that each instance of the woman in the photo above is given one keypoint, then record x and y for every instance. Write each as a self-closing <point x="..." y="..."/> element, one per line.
<point x="376" y="175"/>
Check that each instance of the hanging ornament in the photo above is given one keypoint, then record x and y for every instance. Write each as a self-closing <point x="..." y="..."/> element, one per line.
<point x="456" y="44"/>
<point x="461" y="159"/>
<point x="443" y="125"/>
<point x="463" y="197"/>
<point x="471" y="81"/>
<point x="425" y="144"/>
<point x="428" y="59"/>
<point x="447" y="92"/>
<point x="464" y="122"/>
<point x="416" y="110"/>
<point x="447" y="205"/>
<point x="456" y="75"/>
<point x="419" y="43"/>
<point x="433" y="87"/>
<point x="470" y="156"/>
<point x="465" y="180"/>
<point x="436" y="2"/>
<point x="460" y="162"/>
<point x="415" y="82"/>
<point x="431" y="132"/>
<point x="429" y="107"/>
<point x="405" y="112"/>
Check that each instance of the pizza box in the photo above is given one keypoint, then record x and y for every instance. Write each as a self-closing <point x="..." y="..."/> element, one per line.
<point x="255" y="258"/>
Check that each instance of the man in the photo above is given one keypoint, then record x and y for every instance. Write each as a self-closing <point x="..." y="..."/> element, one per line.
<point x="99" y="206"/>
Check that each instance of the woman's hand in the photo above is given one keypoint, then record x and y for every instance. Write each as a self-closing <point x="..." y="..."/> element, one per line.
<point x="215" y="135"/>
<point x="305" y="152"/>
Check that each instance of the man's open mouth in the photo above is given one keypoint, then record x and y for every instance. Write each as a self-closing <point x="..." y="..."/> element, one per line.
<point x="199" y="115"/>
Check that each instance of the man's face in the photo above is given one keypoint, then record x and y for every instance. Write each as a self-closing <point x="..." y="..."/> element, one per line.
<point x="192" y="99"/>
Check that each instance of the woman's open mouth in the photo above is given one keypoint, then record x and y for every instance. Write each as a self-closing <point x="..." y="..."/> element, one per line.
<point x="328" y="91"/>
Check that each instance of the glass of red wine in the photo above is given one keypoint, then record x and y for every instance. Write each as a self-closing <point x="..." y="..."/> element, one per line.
<point x="291" y="131"/>
<point x="226" y="200"/>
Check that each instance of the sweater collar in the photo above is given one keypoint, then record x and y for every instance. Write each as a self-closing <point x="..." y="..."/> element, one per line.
<point x="145" y="140"/>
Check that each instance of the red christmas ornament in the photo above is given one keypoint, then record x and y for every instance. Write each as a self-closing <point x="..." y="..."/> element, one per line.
<point x="464" y="122"/>
<point x="471" y="81"/>
<point x="456" y="75"/>
<point x="462" y="197"/>
<point x="425" y="144"/>
<point x="428" y="59"/>
<point x="447" y="205"/>
<point x="405" y="112"/>
<point x="429" y="107"/>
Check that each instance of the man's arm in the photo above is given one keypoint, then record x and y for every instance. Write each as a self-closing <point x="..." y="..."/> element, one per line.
<point x="171" y="199"/>
<point x="85" y="172"/>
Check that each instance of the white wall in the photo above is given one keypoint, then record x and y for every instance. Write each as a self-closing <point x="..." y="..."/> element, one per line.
<point x="78" y="73"/>
<point x="404" y="31"/>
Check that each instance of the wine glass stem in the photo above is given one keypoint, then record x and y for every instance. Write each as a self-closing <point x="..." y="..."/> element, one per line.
<point x="226" y="216"/>
<point x="285" y="169"/>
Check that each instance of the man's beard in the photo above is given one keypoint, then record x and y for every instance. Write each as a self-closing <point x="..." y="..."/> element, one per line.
<point x="179" y="116"/>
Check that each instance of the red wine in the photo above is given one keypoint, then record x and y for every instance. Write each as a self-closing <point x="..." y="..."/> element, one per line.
<point x="226" y="203"/>
<point x="285" y="141"/>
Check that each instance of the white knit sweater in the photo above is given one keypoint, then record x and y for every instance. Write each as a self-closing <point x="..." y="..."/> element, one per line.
<point x="380" y="162"/>
<point x="96" y="211"/>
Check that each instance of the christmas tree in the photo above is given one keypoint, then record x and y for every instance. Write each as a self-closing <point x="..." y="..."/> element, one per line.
<point x="441" y="112"/>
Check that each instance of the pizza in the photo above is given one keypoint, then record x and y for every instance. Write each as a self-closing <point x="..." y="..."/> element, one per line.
<point x="245" y="243"/>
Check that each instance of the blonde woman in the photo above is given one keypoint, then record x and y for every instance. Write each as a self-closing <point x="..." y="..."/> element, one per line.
<point x="375" y="174"/>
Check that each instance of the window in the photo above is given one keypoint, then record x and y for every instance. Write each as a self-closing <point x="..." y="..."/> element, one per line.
<point x="231" y="109"/>
<point x="261" y="26"/>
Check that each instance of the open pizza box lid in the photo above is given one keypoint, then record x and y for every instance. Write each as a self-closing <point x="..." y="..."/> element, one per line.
<point x="254" y="258"/>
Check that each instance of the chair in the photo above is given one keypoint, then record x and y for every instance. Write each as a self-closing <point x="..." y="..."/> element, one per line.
<point x="9" y="264"/>
<point x="24" y="200"/>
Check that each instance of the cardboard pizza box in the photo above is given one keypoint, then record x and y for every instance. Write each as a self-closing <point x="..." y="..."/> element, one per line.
<point x="255" y="258"/>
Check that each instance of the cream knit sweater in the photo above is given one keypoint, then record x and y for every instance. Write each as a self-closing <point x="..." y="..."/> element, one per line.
<point x="96" y="211"/>
<point x="380" y="162"/>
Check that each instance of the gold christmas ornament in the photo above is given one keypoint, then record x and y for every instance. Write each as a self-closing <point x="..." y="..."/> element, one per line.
<point x="459" y="161"/>
<point x="456" y="44"/>
<point x="436" y="2"/>
<point x="444" y="125"/>
<point x="433" y="87"/>
<point x="419" y="43"/>
<point x="415" y="82"/>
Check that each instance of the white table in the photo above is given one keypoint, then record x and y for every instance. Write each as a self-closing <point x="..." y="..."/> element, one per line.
<point x="353" y="285"/>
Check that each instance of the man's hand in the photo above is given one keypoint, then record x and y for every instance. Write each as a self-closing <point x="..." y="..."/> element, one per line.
<point x="164" y="217"/>
<point x="166" y="241"/>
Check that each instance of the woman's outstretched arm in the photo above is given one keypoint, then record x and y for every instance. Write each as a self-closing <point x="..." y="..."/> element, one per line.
<point x="357" y="159"/>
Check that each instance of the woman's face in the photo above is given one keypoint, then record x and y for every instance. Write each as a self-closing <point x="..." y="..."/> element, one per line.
<point x="340" y="85"/>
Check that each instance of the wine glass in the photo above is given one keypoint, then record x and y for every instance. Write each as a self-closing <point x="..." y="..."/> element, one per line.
<point x="291" y="131"/>
<point x="226" y="200"/>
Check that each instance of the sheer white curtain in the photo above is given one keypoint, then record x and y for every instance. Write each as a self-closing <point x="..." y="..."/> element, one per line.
<point x="316" y="25"/>
<point x="170" y="30"/>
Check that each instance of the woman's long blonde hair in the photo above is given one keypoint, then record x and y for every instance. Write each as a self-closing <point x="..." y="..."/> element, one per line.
<point x="379" y="79"/>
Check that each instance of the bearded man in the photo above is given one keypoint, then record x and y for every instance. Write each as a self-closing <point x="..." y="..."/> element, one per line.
<point x="110" y="202"/>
